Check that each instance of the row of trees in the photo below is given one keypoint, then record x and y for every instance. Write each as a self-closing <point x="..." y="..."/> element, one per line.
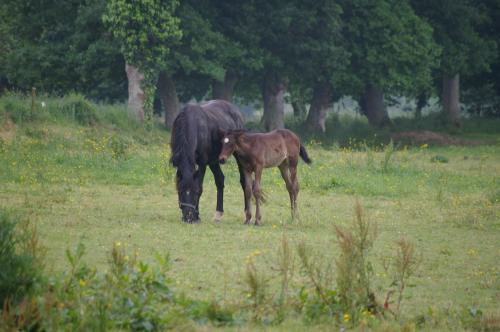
<point x="317" y="51"/>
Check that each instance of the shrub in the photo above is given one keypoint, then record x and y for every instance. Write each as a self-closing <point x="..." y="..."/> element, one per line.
<point x="80" y="109"/>
<point x="118" y="147"/>
<point x="16" y="107"/>
<point x="19" y="258"/>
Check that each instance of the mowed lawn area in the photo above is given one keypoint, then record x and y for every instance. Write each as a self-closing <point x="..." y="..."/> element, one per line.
<point x="99" y="186"/>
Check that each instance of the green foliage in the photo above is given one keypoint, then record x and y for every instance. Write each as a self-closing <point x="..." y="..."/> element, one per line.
<point x="61" y="47"/>
<point x="79" y="109"/>
<point x="317" y="49"/>
<point x="21" y="270"/>
<point x="144" y="30"/>
<point x="17" y="108"/>
<point x="391" y="47"/>
<point x="439" y="159"/>
<point x="456" y="25"/>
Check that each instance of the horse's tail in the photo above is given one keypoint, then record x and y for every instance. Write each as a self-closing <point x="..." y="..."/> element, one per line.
<point x="304" y="155"/>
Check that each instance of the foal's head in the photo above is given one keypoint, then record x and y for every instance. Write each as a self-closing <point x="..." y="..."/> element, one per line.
<point x="229" y="143"/>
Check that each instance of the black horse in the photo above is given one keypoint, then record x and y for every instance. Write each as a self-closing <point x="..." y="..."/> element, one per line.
<point x="196" y="143"/>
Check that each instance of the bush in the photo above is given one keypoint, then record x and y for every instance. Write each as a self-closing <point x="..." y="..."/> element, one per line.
<point x="20" y="267"/>
<point x="80" y="109"/>
<point x="21" y="108"/>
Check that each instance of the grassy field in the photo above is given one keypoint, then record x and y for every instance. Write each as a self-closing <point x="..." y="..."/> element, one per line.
<point x="102" y="184"/>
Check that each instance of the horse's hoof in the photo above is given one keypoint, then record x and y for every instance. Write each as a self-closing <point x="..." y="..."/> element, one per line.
<point x="258" y="223"/>
<point x="218" y="216"/>
<point x="247" y="222"/>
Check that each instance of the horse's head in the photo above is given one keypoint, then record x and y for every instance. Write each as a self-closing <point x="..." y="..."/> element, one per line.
<point x="229" y="143"/>
<point x="189" y="191"/>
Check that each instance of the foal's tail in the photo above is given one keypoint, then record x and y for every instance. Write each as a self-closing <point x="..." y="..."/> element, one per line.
<point x="304" y="155"/>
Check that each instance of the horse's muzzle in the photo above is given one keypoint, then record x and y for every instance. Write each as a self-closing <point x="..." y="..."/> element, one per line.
<point x="222" y="160"/>
<point x="191" y="217"/>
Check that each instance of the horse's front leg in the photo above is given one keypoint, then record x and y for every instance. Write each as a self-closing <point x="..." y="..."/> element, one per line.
<point x="200" y="175"/>
<point x="219" y="183"/>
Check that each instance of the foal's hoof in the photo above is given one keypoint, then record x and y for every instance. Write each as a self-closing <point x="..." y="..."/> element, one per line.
<point x="218" y="216"/>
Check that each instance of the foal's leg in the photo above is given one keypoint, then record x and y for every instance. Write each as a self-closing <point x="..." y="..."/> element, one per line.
<point x="219" y="183"/>
<point x="295" y="185"/>
<point x="257" y="194"/>
<point x="247" y="190"/>
<point x="289" y="186"/>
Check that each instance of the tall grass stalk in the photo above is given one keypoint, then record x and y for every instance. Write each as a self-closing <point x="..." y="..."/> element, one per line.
<point x="354" y="270"/>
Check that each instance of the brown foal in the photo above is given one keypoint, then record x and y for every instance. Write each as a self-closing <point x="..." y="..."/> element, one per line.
<point x="255" y="151"/>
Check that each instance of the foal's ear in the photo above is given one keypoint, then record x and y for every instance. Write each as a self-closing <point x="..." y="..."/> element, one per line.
<point x="221" y="132"/>
<point x="238" y="133"/>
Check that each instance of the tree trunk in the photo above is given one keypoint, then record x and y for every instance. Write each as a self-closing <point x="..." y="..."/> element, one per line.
<point x="421" y="103"/>
<point x="274" y="102"/>
<point x="168" y="96"/>
<point x="299" y="107"/>
<point x="135" y="92"/>
<point x="225" y="90"/>
<point x="372" y="105"/>
<point x="321" y="102"/>
<point x="451" y="98"/>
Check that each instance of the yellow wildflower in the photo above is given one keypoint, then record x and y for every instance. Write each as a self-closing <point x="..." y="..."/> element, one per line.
<point x="346" y="318"/>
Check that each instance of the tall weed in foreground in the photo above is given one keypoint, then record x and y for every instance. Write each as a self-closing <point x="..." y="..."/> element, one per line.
<point x="21" y="260"/>
<point x="285" y="267"/>
<point x="256" y="290"/>
<point x="354" y="270"/>
<point x="318" y="297"/>
<point x="405" y="264"/>
<point x="388" y="152"/>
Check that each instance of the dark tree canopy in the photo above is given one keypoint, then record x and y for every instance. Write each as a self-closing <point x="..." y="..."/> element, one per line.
<point x="311" y="52"/>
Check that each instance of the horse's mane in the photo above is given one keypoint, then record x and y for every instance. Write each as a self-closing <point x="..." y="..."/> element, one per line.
<point x="179" y="143"/>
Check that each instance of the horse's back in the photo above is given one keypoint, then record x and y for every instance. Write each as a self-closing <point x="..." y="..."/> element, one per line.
<point x="223" y="114"/>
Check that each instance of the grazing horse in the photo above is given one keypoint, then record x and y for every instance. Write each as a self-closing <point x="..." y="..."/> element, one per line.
<point x="256" y="151"/>
<point x="196" y="143"/>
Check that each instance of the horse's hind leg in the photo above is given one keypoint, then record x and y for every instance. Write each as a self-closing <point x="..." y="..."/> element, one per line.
<point x="219" y="183"/>
<point x="284" y="169"/>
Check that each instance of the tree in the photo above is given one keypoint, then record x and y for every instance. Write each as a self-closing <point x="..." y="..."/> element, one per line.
<point x="195" y="59"/>
<point x="456" y="24"/>
<point x="60" y="47"/>
<point x="240" y="54"/>
<point x="274" y="40"/>
<point x="317" y="58"/>
<point x="145" y="30"/>
<point x="392" y="51"/>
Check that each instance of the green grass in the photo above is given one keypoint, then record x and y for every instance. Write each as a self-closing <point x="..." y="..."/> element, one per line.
<point x="112" y="182"/>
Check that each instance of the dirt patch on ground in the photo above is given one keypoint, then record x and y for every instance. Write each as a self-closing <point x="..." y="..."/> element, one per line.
<point x="431" y="138"/>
